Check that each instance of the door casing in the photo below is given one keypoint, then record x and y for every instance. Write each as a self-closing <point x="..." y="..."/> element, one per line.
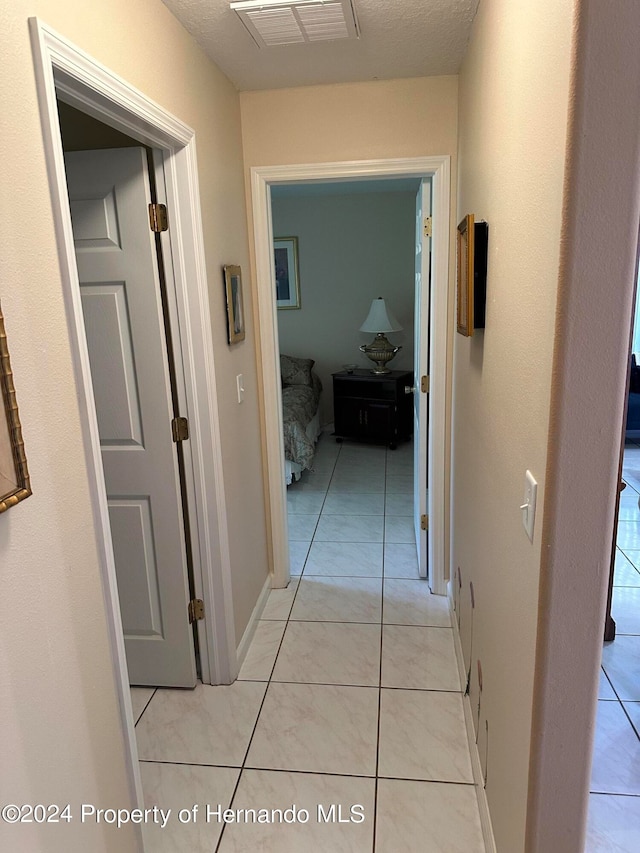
<point x="437" y="168"/>
<point x="63" y="71"/>
<point x="422" y="313"/>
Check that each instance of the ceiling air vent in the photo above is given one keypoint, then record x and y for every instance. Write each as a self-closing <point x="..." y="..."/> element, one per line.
<point x="277" y="22"/>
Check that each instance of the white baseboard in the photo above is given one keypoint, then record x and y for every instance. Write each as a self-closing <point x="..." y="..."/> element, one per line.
<point x="483" y="805"/>
<point x="245" y="642"/>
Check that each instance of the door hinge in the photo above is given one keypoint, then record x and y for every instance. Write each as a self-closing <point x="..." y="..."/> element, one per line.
<point x="180" y="429"/>
<point x="158" y="218"/>
<point x="424" y="522"/>
<point x="428" y="226"/>
<point x="424" y="384"/>
<point x="196" y="610"/>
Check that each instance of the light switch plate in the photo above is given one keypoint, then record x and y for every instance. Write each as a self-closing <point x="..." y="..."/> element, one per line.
<point x="529" y="503"/>
<point x="240" y="387"/>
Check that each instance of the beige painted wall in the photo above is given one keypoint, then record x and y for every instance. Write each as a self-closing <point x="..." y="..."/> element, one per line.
<point x="352" y="249"/>
<point x="514" y="87"/>
<point x="352" y="121"/>
<point x="60" y="724"/>
<point x="384" y="119"/>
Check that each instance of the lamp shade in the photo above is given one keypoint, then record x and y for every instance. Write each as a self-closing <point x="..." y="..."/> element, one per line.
<point x="380" y="319"/>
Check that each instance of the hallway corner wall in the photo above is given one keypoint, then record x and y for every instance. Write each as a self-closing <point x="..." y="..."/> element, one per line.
<point x="514" y="101"/>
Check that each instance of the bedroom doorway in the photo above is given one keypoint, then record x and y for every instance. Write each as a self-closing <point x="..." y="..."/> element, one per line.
<point x="431" y="319"/>
<point x="358" y="246"/>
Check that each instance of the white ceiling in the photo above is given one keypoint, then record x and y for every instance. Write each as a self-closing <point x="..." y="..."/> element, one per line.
<point x="398" y="38"/>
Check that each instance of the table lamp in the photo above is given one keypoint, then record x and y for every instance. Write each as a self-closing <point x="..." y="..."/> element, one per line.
<point x="380" y="350"/>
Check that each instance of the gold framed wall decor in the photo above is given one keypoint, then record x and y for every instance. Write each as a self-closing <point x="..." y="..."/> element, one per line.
<point x="235" y="308"/>
<point x="465" y="276"/>
<point x="15" y="485"/>
<point x="472" y="245"/>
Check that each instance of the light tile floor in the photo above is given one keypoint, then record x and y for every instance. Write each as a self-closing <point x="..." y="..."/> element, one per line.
<point x="348" y="697"/>
<point x="614" y="807"/>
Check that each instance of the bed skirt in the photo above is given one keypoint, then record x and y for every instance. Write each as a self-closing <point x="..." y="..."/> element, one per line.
<point x="293" y="470"/>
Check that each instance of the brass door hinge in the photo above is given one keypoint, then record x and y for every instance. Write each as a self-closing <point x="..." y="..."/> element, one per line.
<point x="428" y="226"/>
<point x="158" y="218"/>
<point x="424" y="384"/>
<point x="180" y="429"/>
<point x="196" y="610"/>
<point x="424" y="522"/>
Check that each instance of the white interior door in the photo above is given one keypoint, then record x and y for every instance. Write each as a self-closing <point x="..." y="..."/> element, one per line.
<point x="109" y="195"/>
<point x="420" y="369"/>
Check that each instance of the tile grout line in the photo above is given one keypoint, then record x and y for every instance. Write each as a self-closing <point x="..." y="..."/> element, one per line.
<point x="237" y="785"/>
<point x="421" y="690"/>
<point x="375" y="791"/>
<point x="324" y="500"/>
<point x="155" y="690"/>
<point x="359" y="622"/>
<point x="379" y="686"/>
<point x="626" y="713"/>
<point x="264" y="697"/>
<point x="270" y="680"/>
<point x="613" y="794"/>
<point x="339" y="775"/>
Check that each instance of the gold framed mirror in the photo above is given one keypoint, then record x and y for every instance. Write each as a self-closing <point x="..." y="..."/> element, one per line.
<point x="14" y="475"/>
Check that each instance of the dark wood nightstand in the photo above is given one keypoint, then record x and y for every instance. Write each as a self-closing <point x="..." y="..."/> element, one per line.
<point x="373" y="407"/>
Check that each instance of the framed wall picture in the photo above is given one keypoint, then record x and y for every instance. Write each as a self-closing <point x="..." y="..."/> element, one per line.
<point x="285" y="250"/>
<point x="14" y="476"/>
<point x="235" y="308"/>
<point x="465" y="276"/>
<point x="472" y="244"/>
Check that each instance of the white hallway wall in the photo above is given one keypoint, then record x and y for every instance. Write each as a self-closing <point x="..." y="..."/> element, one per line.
<point x="352" y="249"/>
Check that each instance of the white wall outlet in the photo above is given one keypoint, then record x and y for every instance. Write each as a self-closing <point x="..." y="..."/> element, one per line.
<point x="240" y="387"/>
<point x="529" y="506"/>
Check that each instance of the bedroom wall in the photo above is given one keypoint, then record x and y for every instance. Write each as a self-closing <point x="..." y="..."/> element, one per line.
<point x="59" y="721"/>
<point x="512" y="148"/>
<point x="352" y="249"/>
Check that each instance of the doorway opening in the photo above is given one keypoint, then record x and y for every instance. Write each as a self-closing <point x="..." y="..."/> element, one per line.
<point x="433" y="316"/>
<point x="342" y="250"/>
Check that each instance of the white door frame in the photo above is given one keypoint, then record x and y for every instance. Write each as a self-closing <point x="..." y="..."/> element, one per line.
<point x="422" y="315"/>
<point x="63" y="70"/>
<point x="262" y="178"/>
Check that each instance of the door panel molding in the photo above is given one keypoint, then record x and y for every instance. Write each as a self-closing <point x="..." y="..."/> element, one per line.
<point x="62" y="70"/>
<point x="262" y="178"/>
<point x="105" y="306"/>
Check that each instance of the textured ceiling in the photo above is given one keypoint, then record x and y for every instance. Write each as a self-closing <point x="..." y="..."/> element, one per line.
<point x="398" y="38"/>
